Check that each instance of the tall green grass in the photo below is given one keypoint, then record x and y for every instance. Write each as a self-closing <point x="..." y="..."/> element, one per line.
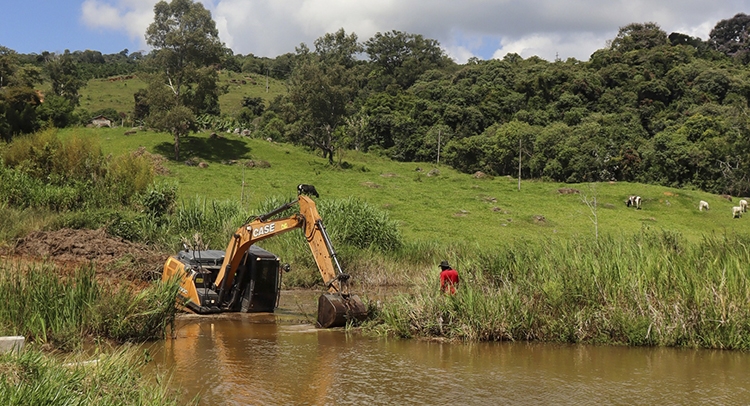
<point x="651" y="288"/>
<point x="34" y="378"/>
<point x="42" y="171"/>
<point x="48" y="307"/>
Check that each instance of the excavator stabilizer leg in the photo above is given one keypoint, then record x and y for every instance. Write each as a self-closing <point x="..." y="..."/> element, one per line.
<point x="335" y="309"/>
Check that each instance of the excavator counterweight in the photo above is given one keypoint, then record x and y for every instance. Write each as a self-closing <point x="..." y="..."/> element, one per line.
<point x="247" y="278"/>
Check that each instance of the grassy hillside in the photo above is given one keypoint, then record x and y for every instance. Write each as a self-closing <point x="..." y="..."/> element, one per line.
<point x="253" y="85"/>
<point x="448" y="208"/>
<point x="117" y="92"/>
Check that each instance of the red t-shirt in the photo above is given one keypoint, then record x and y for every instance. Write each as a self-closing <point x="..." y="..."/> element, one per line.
<point x="448" y="280"/>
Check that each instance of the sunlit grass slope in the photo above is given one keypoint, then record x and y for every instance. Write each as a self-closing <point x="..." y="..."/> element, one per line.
<point x="449" y="207"/>
<point x="117" y="92"/>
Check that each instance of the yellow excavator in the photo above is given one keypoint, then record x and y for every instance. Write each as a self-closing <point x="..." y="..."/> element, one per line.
<point x="247" y="278"/>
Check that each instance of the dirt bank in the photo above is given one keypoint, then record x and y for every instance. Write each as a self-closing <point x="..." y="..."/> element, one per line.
<point x="111" y="256"/>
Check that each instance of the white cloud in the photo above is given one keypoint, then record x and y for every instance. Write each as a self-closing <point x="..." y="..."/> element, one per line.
<point x="129" y="16"/>
<point x="460" y="54"/>
<point x="568" y="28"/>
<point x="96" y="14"/>
<point x="553" y="46"/>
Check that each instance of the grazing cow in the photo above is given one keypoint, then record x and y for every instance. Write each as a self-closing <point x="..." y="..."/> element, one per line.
<point x="634" y="201"/>
<point x="703" y="205"/>
<point x="736" y="212"/>
<point x="743" y="204"/>
<point x="309" y="190"/>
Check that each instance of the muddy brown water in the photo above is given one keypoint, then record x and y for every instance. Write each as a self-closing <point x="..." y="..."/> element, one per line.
<point x="280" y="359"/>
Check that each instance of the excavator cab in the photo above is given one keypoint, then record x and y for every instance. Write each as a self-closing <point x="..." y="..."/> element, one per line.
<point x="261" y="285"/>
<point x="256" y="286"/>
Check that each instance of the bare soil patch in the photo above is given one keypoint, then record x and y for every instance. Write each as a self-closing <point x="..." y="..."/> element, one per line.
<point x="112" y="257"/>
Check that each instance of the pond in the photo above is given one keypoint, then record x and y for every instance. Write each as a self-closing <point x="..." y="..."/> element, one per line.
<point x="280" y="358"/>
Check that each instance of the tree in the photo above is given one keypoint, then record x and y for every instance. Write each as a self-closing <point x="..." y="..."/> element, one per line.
<point x="186" y="45"/>
<point x="338" y="48"/>
<point x="321" y="94"/>
<point x="8" y="65"/>
<point x="322" y="86"/>
<point x="252" y="108"/>
<point x="56" y="110"/>
<point x="732" y="37"/>
<point x="18" y="99"/>
<point x="65" y="77"/>
<point x="165" y="112"/>
<point x="18" y="111"/>
<point x="639" y="36"/>
<point x="404" y="57"/>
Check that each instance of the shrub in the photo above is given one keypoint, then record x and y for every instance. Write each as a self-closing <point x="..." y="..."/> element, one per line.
<point x="18" y="189"/>
<point x="33" y="154"/>
<point x="43" y="156"/>
<point x="41" y="171"/>
<point x="159" y="199"/>
<point x="128" y="175"/>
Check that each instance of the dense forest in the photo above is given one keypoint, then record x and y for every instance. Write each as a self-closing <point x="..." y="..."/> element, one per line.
<point x="649" y="107"/>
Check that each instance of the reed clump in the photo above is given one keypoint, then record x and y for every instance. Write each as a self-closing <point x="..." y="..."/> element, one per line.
<point x="60" y="311"/>
<point x="651" y="288"/>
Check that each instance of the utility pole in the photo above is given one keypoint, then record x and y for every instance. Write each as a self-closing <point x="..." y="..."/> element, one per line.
<point x="242" y="192"/>
<point x="266" y="79"/>
<point x="438" y="156"/>
<point x="519" y="164"/>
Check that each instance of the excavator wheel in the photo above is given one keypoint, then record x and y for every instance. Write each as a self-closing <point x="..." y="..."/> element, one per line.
<point x="335" y="309"/>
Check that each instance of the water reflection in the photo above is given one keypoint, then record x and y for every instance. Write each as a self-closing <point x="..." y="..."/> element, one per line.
<point x="262" y="360"/>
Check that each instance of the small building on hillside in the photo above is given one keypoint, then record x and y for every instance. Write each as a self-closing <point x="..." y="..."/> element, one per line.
<point x="101" y="121"/>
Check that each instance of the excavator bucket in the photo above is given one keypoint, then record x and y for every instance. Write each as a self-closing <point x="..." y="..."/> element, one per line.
<point x="335" y="309"/>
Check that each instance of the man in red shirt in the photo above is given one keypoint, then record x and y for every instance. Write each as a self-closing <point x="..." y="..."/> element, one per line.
<point x="448" y="278"/>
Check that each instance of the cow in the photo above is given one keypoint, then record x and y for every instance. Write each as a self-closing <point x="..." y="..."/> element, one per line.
<point x="634" y="201"/>
<point x="736" y="212"/>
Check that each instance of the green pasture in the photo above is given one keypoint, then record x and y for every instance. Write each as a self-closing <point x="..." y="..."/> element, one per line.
<point x="117" y="92"/>
<point x="239" y="85"/>
<point x="446" y="208"/>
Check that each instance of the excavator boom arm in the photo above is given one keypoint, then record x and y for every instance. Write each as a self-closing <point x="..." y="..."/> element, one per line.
<point x="320" y="244"/>
<point x="261" y="228"/>
<point x="244" y="237"/>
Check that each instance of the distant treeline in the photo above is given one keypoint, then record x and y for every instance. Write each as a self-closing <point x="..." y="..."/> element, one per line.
<point x="649" y="107"/>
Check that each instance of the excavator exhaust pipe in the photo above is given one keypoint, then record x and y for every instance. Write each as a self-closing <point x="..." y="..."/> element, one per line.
<point x="336" y="309"/>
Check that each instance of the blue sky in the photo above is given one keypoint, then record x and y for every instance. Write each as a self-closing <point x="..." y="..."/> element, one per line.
<point x="467" y="28"/>
<point x="57" y="25"/>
